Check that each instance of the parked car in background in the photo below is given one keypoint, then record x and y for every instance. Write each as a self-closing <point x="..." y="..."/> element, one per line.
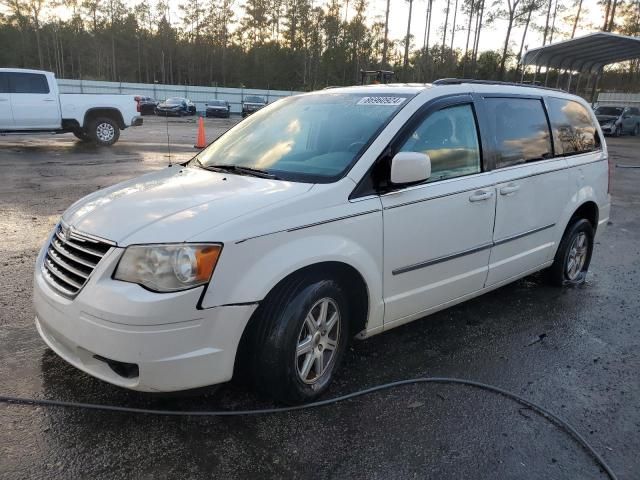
<point x="325" y="216"/>
<point x="31" y="103"/>
<point x="251" y="104"/>
<point x="146" y="105"/>
<point x="618" y="120"/>
<point x="176" y="106"/>
<point x="217" y="108"/>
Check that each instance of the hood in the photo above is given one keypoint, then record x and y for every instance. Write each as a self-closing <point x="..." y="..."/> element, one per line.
<point x="174" y="204"/>
<point x="606" y="118"/>
<point x="251" y="104"/>
<point x="169" y="105"/>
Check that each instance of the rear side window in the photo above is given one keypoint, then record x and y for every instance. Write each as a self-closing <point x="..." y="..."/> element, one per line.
<point x="29" y="83"/>
<point x="4" y="82"/>
<point x="521" y="130"/>
<point x="573" y="128"/>
<point x="449" y="136"/>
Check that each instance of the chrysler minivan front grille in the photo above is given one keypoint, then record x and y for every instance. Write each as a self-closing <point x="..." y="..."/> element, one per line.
<point x="70" y="260"/>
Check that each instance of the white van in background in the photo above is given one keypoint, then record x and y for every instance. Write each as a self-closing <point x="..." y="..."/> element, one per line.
<point x="324" y="216"/>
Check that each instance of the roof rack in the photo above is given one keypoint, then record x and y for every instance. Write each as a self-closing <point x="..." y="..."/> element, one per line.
<point x="458" y="81"/>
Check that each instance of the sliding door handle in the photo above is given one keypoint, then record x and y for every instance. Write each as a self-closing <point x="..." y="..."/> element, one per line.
<point x="481" y="195"/>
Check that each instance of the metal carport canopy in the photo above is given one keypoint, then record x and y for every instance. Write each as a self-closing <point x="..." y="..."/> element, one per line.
<point x="585" y="54"/>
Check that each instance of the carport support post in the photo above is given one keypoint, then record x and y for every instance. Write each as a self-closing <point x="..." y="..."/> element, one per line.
<point x="595" y="86"/>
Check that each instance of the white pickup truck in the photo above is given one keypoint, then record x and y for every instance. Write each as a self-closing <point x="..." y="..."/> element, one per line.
<point x="30" y="103"/>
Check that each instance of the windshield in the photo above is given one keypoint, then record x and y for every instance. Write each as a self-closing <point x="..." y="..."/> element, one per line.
<point x="617" y="111"/>
<point x="308" y="138"/>
<point x="254" y="99"/>
<point x="217" y="103"/>
<point x="174" y="101"/>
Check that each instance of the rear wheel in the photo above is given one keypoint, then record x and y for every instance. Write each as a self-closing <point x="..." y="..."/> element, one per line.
<point x="104" y="131"/>
<point x="572" y="259"/>
<point x="300" y="334"/>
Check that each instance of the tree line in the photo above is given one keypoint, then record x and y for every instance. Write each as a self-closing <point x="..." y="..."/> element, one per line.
<point x="292" y="44"/>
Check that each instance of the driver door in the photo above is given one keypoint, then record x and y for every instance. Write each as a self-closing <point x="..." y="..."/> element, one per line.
<point x="438" y="234"/>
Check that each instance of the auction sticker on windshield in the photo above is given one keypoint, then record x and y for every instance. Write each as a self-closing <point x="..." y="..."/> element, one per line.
<point x="392" y="101"/>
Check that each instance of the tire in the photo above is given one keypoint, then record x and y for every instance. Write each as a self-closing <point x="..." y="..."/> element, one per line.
<point x="573" y="257"/>
<point x="82" y="136"/>
<point x="636" y="130"/>
<point x="104" y="131"/>
<point x="283" y="325"/>
<point x="618" y="131"/>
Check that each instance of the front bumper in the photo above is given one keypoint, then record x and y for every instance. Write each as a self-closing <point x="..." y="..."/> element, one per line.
<point x="137" y="121"/>
<point x="608" y="129"/>
<point x="217" y="113"/>
<point x="173" y="345"/>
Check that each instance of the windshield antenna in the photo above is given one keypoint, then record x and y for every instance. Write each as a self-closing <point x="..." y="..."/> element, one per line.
<point x="168" y="141"/>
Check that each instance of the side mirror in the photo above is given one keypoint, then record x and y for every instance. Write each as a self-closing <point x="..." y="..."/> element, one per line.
<point x="410" y="167"/>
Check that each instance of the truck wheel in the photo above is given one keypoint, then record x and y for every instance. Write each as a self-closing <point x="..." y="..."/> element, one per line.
<point x="298" y="339"/>
<point x="572" y="259"/>
<point x="82" y="136"/>
<point x="104" y="131"/>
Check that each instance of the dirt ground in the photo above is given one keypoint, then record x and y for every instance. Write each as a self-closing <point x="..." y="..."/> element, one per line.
<point x="585" y="369"/>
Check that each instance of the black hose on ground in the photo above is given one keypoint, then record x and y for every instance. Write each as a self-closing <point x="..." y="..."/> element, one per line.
<point x="235" y="413"/>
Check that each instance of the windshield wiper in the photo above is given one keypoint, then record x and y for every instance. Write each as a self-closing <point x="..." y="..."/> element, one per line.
<point x="240" y="170"/>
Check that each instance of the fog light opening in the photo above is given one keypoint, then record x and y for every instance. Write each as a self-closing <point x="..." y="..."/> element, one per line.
<point x="125" y="370"/>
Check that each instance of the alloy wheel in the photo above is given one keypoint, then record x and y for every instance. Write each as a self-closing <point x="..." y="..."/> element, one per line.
<point x="105" y="132"/>
<point x="318" y="341"/>
<point x="577" y="256"/>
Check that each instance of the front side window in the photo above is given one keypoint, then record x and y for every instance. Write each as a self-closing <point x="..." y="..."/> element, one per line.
<point x="450" y="138"/>
<point x="521" y="130"/>
<point x="573" y="128"/>
<point x="309" y="138"/>
<point x="29" y="83"/>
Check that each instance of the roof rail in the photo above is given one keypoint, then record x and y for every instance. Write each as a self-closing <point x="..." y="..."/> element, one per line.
<point x="458" y="81"/>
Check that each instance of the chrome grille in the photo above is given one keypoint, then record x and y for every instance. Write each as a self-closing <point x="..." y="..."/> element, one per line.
<point x="71" y="258"/>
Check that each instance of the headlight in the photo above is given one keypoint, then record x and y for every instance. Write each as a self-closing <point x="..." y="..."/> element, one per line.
<point x="168" y="268"/>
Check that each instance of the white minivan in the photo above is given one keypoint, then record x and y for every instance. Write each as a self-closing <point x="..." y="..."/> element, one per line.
<point x="324" y="216"/>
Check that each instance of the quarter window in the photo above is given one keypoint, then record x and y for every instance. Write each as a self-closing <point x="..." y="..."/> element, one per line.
<point x="573" y="128"/>
<point x="29" y="83"/>
<point x="450" y="138"/>
<point x="521" y="130"/>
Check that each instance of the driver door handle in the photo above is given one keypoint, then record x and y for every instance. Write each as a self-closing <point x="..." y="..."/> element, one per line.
<point x="509" y="189"/>
<point x="481" y="195"/>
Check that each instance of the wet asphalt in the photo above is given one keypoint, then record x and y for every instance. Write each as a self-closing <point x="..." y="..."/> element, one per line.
<point x="574" y="351"/>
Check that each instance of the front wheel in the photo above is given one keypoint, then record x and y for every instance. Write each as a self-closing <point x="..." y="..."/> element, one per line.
<point x="572" y="259"/>
<point x="618" y="131"/>
<point x="301" y="333"/>
<point x="636" y="130"/>
<point x="104" y="131"/>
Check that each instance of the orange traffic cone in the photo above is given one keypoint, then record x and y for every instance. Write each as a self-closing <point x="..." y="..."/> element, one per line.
<point x="200" y="142"/>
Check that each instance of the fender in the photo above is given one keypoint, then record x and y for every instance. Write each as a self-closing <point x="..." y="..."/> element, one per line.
<point x="247" y="271"/>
